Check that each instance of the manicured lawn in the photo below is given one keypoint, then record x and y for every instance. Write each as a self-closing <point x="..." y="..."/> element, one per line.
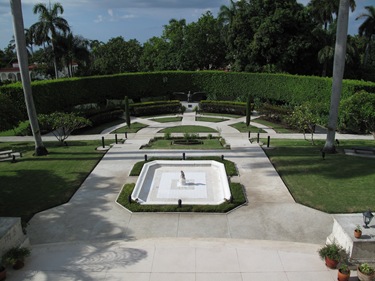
<point x="188" y="129"/>
<point x="167" y="119"/>
<point x="241" y="126"/>
<point x="338" y="184"/>
<point x="167" y="144"/>
<point x="134" y="127"/>
<point x="279" y="128"/>
<point x="33" y="184"/>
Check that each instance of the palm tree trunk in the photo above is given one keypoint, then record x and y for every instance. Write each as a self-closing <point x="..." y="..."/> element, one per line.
<point x="338" y="73"/>
<point x="25" y="76"/>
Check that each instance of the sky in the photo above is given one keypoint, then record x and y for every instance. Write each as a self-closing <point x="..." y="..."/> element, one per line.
<point x="132" y="19"/>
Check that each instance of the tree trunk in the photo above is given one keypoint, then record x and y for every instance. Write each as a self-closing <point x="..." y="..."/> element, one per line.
<point x="25" y="76"/>
<point x="338" y="73"/>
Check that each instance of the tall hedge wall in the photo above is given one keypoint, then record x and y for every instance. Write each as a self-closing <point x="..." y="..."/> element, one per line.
<point x="63" y="94"/>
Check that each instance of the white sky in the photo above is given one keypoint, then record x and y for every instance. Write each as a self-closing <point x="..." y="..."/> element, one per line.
<point x="131" y="19"/>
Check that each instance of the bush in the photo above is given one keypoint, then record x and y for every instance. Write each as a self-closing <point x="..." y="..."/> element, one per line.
<point x="226" y="107"/>
<point x="358" y="113"/>
<point x="155" y="108"/>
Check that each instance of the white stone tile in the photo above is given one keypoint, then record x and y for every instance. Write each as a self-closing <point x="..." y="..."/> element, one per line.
<point x="310" y="276"/>
<point x="295" y="261"/>
<point x="126" y="276"/>
<point x="259" y="260"/>
<point x="172" y="277"/>
<point x="176" y="259"/>
<point x="218" y="276"/>
<point x="266" y="276"/>
<point x="217" y="260"/>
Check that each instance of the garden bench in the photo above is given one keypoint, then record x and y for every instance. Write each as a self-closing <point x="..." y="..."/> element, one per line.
<point x="6" y="153"/>
<point x="363" y="149"/>
<point x="9" y="155"/>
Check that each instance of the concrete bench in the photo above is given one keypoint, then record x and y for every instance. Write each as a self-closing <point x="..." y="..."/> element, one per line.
<point x="363" y="149"/>
<point x="6" y="153"/>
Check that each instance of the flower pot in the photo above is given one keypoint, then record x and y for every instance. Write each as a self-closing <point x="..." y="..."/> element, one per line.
<point x="364" y="277"/>
<point x="18" y="264"/>
<point x="331" y="263"/>
<point x="343" y="276"/>
<point x="3" y="273"/>
<point x="357" y="234"/>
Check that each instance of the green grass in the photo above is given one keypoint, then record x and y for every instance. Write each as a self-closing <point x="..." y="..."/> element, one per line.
<point x="167" y="144"/>
<point x="210" y="119"/>
<point x="34" y="184"/>
<point x="167" y="119"/>
<point x="230" y="167"/>
<point x="134" y="127"/>
<point x="239" y="198"/>
<point x="241" y="126"/>
<point x="279" y="128"/>
<point x="188" y="129"/>
<point x="338" y="184"/>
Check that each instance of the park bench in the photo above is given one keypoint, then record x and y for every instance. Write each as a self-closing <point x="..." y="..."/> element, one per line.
<point x="9" y="154"/>
<point x="364" y="149"/>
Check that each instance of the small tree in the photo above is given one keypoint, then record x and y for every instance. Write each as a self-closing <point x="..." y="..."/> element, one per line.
<point x="62" y="124"/>
<point x="358" y="113"/>
<point x="304" y="120"/>
<point x="127" y="112"/>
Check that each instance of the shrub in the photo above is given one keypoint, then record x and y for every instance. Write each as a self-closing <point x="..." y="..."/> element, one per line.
<point x="226" y="107"/>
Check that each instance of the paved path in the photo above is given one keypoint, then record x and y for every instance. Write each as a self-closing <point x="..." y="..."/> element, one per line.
<point x="93" y="238"/>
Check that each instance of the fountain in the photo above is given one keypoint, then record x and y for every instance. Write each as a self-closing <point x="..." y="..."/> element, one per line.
<point x="196" y="182"/>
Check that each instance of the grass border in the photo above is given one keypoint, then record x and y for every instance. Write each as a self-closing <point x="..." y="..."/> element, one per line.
<point x="238" y="199"/>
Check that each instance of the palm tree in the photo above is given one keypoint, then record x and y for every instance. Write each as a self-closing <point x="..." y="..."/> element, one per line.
<point x="338" y="73"/>
<point x="323" y="10"/>
<point x="367" y="28"/>
<point x="49" y="26"/>
<point x="23" y="63"/>
<point x="73" y="48"/>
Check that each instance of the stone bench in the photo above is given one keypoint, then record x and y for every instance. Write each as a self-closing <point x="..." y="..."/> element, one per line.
<point x="9" y="155"/>
<point x="363" y="149"/>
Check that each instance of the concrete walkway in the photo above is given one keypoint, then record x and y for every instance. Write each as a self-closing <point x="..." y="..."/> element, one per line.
<point x="93" y="238"/>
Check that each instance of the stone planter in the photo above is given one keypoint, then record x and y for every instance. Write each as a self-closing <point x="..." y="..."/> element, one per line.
<point x="364" y="277"/>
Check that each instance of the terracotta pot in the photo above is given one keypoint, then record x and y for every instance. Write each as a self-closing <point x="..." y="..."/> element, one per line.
<point x="331" y="263"/>
<point x="3" y="273"/>
<point x="357" y="233"/>
<point x="18" y="265"/>
<point x="364" y="277"/>
<point x="342" y="276"/>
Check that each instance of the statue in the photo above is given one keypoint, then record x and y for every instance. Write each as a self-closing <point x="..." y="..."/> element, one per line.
<point x="182" y="180"/>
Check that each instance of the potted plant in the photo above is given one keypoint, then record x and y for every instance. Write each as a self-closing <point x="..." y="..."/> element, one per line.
<point x="3" y="273"/>
<point x="16" y="256"/>
<point x="343" y="273"/>
<point x="365" y="272"/>
<point x="332" y="254"/>
<point x="358" y="232"/>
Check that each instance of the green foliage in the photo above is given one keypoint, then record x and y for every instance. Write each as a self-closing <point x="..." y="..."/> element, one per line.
<point x="15" y="254"/>
<point x="332" y="251"/>
<point x="366" y="269"/>
<point x="303" y="119"/>
<point x="358" y="113"/>
<point x="10" y="115"/>
<point x="62" y="95"/>
<point x="226" y="107"/>
<point x="62" y="124"/>
<point x="155" y="108"/>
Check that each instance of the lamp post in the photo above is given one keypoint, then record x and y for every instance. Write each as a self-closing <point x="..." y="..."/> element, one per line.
<point x="367" y="217"/>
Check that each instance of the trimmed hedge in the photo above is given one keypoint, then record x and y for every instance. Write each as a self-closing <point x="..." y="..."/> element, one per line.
<point x="226" y="107"/>
<point x="155" y="108"/>
<point x="63" y="94"/>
